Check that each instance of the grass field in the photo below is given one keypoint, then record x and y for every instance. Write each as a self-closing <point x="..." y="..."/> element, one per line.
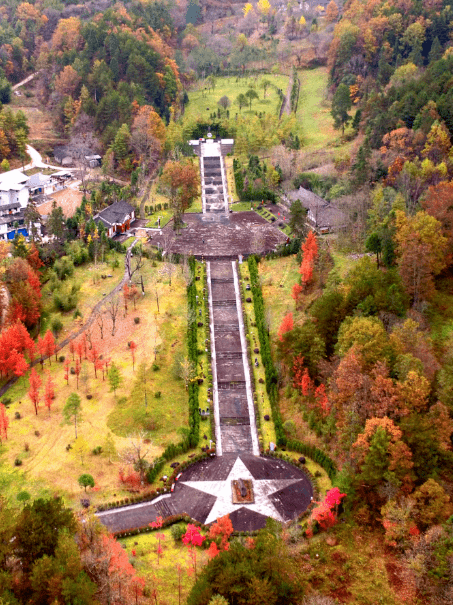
<point x="39" y="442"/>
<point x="278" y="276"/>
<point x="313" y="112"/>
<point x="203" y="102"/>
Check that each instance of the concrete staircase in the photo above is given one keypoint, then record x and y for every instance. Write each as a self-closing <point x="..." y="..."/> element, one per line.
<point x="232" y="393"/>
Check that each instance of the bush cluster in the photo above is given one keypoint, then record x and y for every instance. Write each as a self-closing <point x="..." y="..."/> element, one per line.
<point x="249" y="181"/>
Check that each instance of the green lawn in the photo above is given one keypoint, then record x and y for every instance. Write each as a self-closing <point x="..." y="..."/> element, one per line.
<point x="203" y="102"/>
<point x="313" y="113"/>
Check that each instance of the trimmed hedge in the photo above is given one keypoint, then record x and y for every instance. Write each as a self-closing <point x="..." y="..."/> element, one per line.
<point x="315" y="454"/>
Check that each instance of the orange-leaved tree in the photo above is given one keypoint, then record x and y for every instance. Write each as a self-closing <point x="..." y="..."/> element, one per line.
<point x="286" y="325"/>
<point x="310" y="252"/>
<point x="35" y="384"/>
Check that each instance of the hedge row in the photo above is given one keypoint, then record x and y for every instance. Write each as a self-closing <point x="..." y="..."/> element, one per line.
<point x="269" y="368"/>
<point x="315" y="454"/>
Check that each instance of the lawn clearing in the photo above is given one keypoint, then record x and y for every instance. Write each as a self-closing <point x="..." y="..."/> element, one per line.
<point x="171" y="574"/>
<point x="40" y="441"/>
<point x="203" y="102"/>
<point x="313" y="112"/>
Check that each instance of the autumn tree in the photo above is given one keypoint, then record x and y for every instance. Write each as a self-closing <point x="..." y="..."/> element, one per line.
<point x="331" y="12"/>
<point x="286" y="325"/>
<point x="438" y="202"/>
<point x="181" y="181"/>
<point x="35" y="384"/>
<point x="67" y="82"/>
<point x="326" y="513"/>
<point x="49" y="392"/>
<point x="382" y="456"/>
<point x="309" y="255"/>
<point x="432" y="504"/>
<point x="421" y="253"/>
<point x="133" y="349"/>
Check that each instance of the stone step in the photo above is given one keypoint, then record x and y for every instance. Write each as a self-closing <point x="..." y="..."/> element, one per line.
<point x="239" y="385"/>
<point x="234" y="421"/>
<point x="224" y="328"/>
<point x="224" y="303"/>
<point x="229" y="354"/>
<point x="222" y="280"/>
<point x="164" y="508"/>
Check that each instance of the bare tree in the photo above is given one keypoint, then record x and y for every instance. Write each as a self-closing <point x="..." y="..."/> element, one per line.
<point x="186" y="371"/>
<point x="136" y="452"/>
<point x="134" y="260"/>
<point x="113" y="307"/>
<point x="100" y="321"/>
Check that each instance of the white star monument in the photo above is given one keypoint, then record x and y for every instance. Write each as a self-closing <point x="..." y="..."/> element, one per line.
<point x="222" y="490"/>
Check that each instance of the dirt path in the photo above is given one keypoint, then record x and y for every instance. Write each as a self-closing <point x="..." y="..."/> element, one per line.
<point x="28" y="79"/>
<point x="286" y="105"/>
<point x="88" y="322"/>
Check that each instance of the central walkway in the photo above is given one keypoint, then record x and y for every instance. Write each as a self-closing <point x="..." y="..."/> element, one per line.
<point x="233" y="398"/>
<point x="205" y="491"/>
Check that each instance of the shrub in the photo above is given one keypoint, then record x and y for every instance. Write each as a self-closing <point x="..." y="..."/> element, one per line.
<point x="155" y="367"/>
<point x="157" y="395"/>
<point x="17" y="462"/>
<point x="137" y="320"/>
<point x="177" y="532"/>
<point x="97" y="450"/>
<point x="61" y="358"/>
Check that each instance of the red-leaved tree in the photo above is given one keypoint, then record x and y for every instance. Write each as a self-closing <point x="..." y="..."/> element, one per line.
<point x="310" y="252"/>
<point x="49" y="345"/>
<point x="286" y="325"/>
<point x="222" y="528"/>
<point x="193" y="538"/>
<point x="49" y="392"/>
<point x="325" y="515"/>
<point x="133" y="348"/>
<point x="35" y="384"/>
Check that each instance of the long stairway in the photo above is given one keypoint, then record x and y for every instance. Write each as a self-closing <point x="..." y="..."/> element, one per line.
<point x="232" y="392"/>
<point x="214" y="191"/>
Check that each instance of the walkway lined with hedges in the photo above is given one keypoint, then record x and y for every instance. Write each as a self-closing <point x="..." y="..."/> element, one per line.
<point x="232" y="390"/>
